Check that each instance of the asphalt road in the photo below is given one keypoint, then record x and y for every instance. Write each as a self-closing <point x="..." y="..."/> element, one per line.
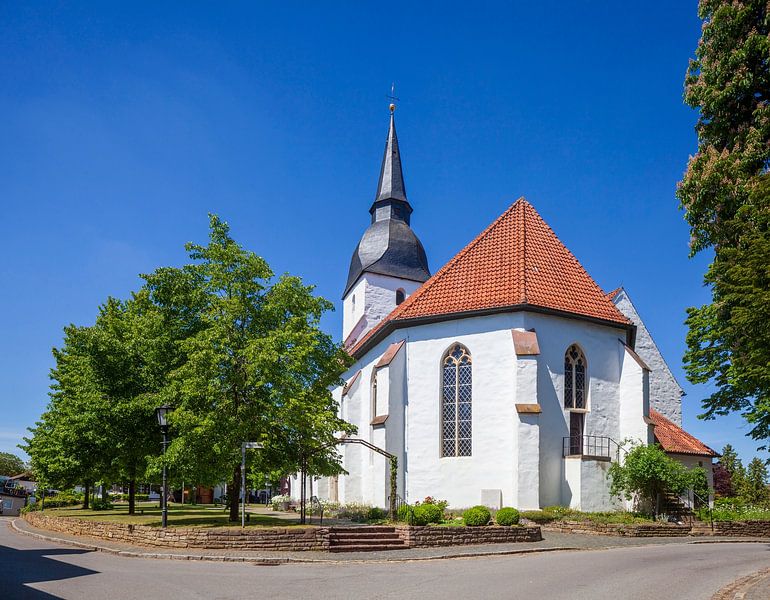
<point x="30" y="568"/>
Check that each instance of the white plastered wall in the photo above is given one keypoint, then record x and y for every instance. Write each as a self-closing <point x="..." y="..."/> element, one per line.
<point x="370" y="300"/>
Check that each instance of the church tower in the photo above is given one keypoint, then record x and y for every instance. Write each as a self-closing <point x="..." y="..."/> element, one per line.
<point x="389" y="262"/>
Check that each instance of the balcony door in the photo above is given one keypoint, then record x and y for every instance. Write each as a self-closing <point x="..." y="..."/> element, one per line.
<point x="576" y="421"/>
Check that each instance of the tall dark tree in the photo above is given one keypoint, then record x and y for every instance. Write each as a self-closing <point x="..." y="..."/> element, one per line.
<point x="726" y="197"/>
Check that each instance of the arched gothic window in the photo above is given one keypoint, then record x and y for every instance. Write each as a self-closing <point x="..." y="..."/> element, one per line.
<point x="574" y="378"/>
<point x="457" y="387"/>
<point x="400" y="296"/>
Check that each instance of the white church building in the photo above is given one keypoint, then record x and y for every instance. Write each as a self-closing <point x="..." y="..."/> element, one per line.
<point x="506" y="378"/>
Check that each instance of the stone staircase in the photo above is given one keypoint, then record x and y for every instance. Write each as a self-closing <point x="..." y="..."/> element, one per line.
<point x="364" y="539"/>
<point x="701" y="528"/>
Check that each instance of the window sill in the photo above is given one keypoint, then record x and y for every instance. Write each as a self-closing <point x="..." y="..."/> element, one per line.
<point x="588" y="457"/>
<point x="578" y="410"/>
<point x="379" y="420"/>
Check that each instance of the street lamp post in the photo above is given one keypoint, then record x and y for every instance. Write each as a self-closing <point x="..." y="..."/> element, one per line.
<point x="162" y="413"/>
<point x="245" y="445"/>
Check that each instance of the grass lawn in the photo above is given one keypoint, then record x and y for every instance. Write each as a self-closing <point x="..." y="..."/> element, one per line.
<point x="148" y="513"/>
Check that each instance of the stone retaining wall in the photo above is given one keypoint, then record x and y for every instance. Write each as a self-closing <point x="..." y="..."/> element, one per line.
<point x="426" y="537"/>
<point x="740" y="528"/>
<point x="618" y="529"/>
<point x="273" y="538"/>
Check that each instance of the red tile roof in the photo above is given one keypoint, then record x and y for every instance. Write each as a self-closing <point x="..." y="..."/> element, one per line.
<point x="614" y="293"/>
<point x="676" y="440"/>
<point x="515" y="263"/>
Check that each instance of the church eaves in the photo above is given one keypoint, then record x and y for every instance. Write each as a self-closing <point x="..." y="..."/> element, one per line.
<point x="517" y="263"/>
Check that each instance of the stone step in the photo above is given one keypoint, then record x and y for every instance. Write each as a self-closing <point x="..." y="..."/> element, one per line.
<point x="366" y="541"/>
<point x="346" y="537"/>
<point x="363" y="529"/>
<point x="369" y="548"/>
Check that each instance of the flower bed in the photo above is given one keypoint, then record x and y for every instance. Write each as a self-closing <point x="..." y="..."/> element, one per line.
<point x="619" y="529"/>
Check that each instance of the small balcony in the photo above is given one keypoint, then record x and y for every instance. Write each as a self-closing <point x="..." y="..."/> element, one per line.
<point x="590" y="447"/>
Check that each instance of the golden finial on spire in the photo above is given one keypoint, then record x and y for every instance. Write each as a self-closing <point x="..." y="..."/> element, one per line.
<point x="392" y="96"/>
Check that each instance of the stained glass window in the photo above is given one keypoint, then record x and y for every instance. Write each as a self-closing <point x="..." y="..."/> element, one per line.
<point x="574" y="378"/>
<point x="456" y="403"/>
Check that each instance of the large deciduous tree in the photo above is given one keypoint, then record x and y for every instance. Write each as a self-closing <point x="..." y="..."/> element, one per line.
<point x="257" y="365"/>
<point x="11" y="465"/>
<point x="726" y="196"/>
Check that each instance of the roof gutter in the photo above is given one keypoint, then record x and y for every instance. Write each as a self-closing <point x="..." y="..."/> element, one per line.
<point x="393" y="325"/>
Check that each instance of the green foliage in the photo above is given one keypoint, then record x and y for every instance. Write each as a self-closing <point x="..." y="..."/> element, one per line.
<point x="442" y="504"/>
<point x="507" y="516"/>
<point x="376" y="514"/>
<point x="405" y="513"/>
<point x="560" y="513"/>
<point x="11" y="465"/>
<point x="239" y="355"/>
<point x="355" y="511"/>
<point x="66" y="498"/>
<point x="101" y="504"/>
<point x="735" y="509"/>
<point x="477" y="516"/>
<point x="257" y="365"/>
<point x="726" y="195"/>
<point x="646" y="473"/>
<point x="425" y="514"/>
<point x="754" y="490"/>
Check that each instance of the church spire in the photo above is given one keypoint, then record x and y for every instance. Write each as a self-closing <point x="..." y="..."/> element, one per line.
<point x="391" y="185"/>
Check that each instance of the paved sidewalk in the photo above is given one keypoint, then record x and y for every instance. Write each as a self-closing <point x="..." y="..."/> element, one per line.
<point x="552" y="542"/>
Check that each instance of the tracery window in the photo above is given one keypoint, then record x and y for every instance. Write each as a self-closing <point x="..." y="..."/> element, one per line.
<point x="457" y="388"/>
<point x="574" y="378"/>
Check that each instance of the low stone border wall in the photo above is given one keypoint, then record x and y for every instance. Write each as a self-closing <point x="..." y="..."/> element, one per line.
<point x="619" y="529"/>
<point x="742" y="528"/>
<point x="273" y="538"/>
<point x="427" y="537"/>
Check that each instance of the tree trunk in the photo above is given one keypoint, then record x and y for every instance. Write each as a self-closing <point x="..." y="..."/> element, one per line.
<point x="86" y="495"/>
<point x="132" y="497"/>
<point x="235" y="493"/>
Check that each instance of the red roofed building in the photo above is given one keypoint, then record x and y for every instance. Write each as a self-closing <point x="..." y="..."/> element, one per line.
<point x="506" y="378"/>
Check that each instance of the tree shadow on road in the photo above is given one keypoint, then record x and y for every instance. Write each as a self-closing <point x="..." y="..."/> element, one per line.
<point x="21" y="567"/>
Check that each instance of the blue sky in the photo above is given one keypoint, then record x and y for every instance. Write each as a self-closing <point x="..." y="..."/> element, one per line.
<point x="123" y="126"/>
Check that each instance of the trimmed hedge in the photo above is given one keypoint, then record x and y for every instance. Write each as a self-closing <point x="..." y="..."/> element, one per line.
<point x="477" y="516"/>
<point x="507" y="516"/>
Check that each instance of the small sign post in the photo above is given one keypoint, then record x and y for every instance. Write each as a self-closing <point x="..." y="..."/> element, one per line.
<point x="244" y="446"/>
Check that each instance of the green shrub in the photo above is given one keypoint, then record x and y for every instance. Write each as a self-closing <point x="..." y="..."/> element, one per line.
<point x="101" y="504"/>
<point x="421" y="516"/>
<point x="477" y="516"/>
<point x="404" y="512"/>
<point x="60" y="499"/>
<point x="354" y="511"/>
<point x="375" y="514"/>
<point x="428" y="513"/>
<point x="507" y="516"/>
<point x="442" y="504"/>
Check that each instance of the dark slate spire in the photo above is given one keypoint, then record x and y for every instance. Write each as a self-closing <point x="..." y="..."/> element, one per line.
<point x="389" y="246"/>
<point x="391" y="184"/>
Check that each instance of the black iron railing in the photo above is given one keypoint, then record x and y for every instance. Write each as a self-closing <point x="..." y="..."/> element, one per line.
<point x="400" y="502"/>
<point x="316" y="507"/>
<point x="597" y="446"/>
